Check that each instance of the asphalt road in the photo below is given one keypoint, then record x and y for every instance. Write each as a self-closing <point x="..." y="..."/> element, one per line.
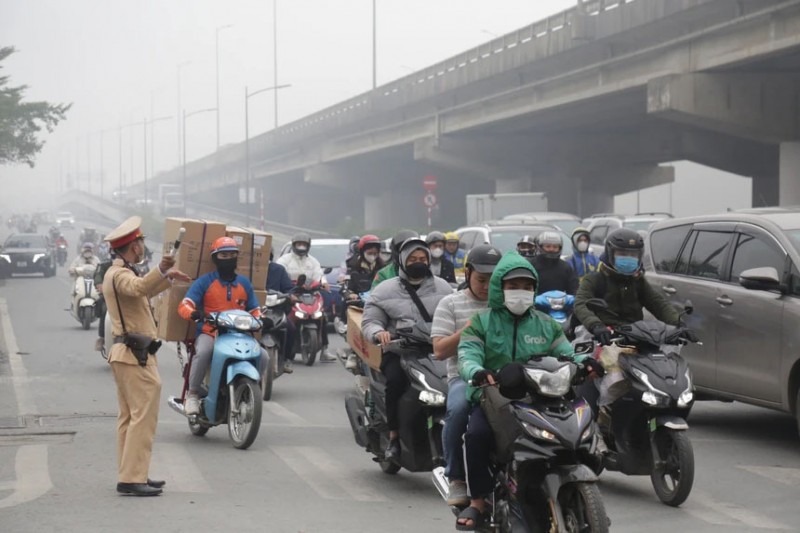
<point x="304" y="473"/>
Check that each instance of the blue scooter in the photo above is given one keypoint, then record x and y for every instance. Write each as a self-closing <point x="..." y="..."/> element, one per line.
<point x="557" y="304"/>
<point x="232" y="390"/>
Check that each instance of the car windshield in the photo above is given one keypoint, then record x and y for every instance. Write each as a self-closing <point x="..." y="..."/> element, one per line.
<point x="639" y="225"/>
<point x="794" y="237"/>
<point x="26" y="241"/>
<point x="567" y="225"/>
<point x="64" y="214"/>
<point x="507" y="239"/>
<point x="329" y="255"/>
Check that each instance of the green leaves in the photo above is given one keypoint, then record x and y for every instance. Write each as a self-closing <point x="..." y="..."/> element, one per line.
<point x="21" y="122"/>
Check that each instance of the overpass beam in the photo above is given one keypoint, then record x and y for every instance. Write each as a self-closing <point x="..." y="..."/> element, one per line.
<point x="328" y="175"/>
<point x="757" y="106"/>
<point x="456" y="157"/>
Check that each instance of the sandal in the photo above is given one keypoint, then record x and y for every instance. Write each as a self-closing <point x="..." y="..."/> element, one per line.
<point x="475" y="515"/>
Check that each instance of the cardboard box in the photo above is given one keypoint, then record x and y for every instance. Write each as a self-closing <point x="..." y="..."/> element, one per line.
<point x="171" y="327"/>
<point x="194" y="256"/>
<point x="254" y="248"/>
<point x="367" y="351"/>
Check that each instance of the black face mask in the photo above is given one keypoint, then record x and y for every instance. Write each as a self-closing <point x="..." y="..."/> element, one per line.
<point x="226" y="267"/>
<point x="418" y="271"/>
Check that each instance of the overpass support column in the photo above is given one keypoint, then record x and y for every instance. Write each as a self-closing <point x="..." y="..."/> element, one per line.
<point x="394" y="208"/>
<point x="765" y="191"/>
<point x="789" y="180"/>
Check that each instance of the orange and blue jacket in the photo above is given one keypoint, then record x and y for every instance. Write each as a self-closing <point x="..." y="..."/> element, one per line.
<point x="210" y="293"/>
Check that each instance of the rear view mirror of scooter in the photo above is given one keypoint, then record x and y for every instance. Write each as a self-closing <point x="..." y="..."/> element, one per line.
<point x="301" y="280"/>
<point x="688" y="307"/>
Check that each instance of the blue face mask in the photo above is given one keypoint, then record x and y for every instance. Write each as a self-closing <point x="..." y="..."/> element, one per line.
<point x="626" y="265"/>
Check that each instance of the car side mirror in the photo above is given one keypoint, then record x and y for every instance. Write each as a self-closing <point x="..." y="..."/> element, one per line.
<point x="597" y="304"/>
<point x="761" y="279"/>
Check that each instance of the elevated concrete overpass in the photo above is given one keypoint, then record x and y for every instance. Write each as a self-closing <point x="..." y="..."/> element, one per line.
<point x="583" y="105"/>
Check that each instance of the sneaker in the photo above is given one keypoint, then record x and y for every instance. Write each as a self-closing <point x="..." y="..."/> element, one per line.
<point x="192" y="406"/>
<point x="340" y="326"/>
<point x="326" y="356"/>
<point x="457" y="493"/>
<point x="352" y="361"/>
<point x="287" y="368"/>
<point x="99" y="344"/>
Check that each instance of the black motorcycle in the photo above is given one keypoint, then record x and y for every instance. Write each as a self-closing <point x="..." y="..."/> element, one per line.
<point x="544" y="446"/>
<point x="61" y="254"/>
<point x="273" y="318"/>
<point x="645" y="427"/>
<point x="421" y="408"/>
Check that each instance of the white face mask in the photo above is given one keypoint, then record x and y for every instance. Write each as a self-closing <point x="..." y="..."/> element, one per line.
<point x="87" y="255"/>
<point x="436" y="253"/>
<point x="518" y="301"/>
<point x="583" y="246"/>
<point x="370" y="258"/>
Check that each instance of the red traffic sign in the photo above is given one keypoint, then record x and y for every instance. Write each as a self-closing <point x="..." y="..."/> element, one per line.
<point x="429" y="200"/>
<point x="429" y="183"/>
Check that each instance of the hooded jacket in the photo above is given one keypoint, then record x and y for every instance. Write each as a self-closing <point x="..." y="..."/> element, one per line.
<point x="497" y="337"/>
<point x="390" y="305"/>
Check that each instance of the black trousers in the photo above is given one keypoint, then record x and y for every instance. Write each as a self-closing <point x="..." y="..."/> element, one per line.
<point x="101" y="312"/>
<point x="478" y="442"/>
<point x="396" y="385"/>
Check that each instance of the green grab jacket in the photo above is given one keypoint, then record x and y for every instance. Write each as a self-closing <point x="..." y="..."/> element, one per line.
<point x="387" y="272"/>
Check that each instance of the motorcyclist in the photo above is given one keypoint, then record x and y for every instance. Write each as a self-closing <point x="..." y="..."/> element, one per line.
<point x="300" y="261"/>
<point x="440" y="266"/>
<point x="54" y="233"/>
<point x="216" y="291"/>
<point x="390" y="270"/>
<point x="526" y="247"/>
<point x="554" y="273"/>
<point x="496" y="341"/>
<point x="452" y="316"/>
<point x="362" y="267"/>
<point x="453" y="253"/>
<point x="86" y="257"/>
<point x="391" y="305"/>
<point x="88" y="234"/>
<point x="582" y="261"/>
<point x="278" y="280"/>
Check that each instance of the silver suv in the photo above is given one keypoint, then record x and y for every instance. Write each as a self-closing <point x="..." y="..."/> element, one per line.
<point x="601" y="226"/>
<point x="505" y="234"/>
<point x="741" y="270"/>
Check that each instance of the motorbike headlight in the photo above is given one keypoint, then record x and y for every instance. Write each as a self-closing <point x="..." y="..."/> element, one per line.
<point x="553" y="384"/>
<point x="641" y="376"/>
<point x="434" y="398"/>
<point x="36" y="257"/>
<point x="224" y="321"/>
<point x="299" y="314"/>
<point x="556" y="304"/>
<point x="538" y="433"/>
<point x="5" y="257"/>
<point x="649" y="398"/>
<point x="318" y="314"/>
<point x="685" y="398"/>
<point x="245" y="323"/>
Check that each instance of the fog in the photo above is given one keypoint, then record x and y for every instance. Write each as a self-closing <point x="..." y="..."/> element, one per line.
<point x="117" y="62"/>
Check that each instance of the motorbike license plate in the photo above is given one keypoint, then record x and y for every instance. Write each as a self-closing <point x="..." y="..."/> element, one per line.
<point x="22" y="264"/>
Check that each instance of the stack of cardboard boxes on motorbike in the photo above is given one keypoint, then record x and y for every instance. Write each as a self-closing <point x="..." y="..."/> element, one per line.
<point x="194" y="258"/>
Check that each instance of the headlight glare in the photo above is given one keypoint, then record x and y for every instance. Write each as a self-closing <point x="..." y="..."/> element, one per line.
<point x="538" y="433"/>
<point x="5" y="257"/>
<point x="36" y="257"/>
<point x="685" y="398"/>
<point x="553" y="384"/>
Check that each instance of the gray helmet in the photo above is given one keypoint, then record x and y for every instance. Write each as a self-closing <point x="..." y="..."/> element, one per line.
<point x="550" y="237"/>
<point x="298" y="238"/>
<point x="399" y="238"/>
<point x="434" y="236"/>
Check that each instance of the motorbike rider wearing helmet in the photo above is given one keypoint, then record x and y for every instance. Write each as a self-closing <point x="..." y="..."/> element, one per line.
<point x="220" y="290"/>
<point x="390" y="306"/>
<point x="496" y="341"/>
<point x="440" y="266"/>
<point x="390" y="270"/>
<point x="582" y="261"/>
<point x="452" y="316"/>
<point x="554" y="273"/>
<point x="86" y="257"/>
<point x="88" y="234"/>
<point x="363" y="266"/>
<point x="278" y="280"/>
<point x="453" y="253"/>
<point x="526" y="247"/>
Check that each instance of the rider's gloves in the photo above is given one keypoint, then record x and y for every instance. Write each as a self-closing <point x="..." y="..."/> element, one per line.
<point x="689" y="335"/>
<point x="601" y="334"/>
<point x="481" y="377"/>
<point x="196" y="315"/>
<point x="593" y="365"/>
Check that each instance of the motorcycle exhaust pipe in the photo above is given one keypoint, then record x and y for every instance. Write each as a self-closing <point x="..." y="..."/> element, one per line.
<point x="176" y="405"/>
<point x="440" y="482"/>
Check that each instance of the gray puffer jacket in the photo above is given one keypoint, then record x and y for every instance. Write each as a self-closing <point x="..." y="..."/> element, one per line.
<point x="390" y="305"/>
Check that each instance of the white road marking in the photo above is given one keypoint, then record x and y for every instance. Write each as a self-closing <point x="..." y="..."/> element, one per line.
<point x="717" y="512"/>
<point x="785" y="475"/>
<point x="172" y="463"/>
<point x="33" y="477"/>
<point x="326" y="476"/>
<point x="19" y="374"/>
<point x="280" y="411"/>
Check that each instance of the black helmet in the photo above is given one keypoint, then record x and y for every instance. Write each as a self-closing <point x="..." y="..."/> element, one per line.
<point x="623" y="239"/>
<point x="528" y="251"/>
<point x="298" y="238"/>
<point x="483" y="258"/>
<point x="353" y="246"/>
<point x="434" y="236"/>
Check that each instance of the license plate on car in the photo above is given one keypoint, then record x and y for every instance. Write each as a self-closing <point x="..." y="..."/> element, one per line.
<point x="22" y="264"/>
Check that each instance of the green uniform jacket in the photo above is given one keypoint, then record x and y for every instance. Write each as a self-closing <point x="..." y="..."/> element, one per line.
<point x="496" y="337"/>
<point x="625" y="296"/>
<point x="387" y="272"/>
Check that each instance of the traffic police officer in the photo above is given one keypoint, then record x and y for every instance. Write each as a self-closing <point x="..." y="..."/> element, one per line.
<point x="138" y="383"/>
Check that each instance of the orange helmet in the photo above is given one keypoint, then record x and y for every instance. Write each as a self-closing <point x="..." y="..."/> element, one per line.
<point x="224" y="244"/>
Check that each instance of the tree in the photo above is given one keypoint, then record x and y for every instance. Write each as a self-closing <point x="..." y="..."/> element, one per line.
<point x="21" y="122"/>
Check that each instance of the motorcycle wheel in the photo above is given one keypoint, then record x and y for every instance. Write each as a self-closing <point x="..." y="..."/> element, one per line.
<point x="269" y="376"/>
<point x="388" y="467"/>
<point x="86" y="318"/>
<point x="583" y="508"/>
<point x="243" y="427"/>
<point x="310" y="346"/>
<point x="673" y="481"/>
<point x="198" y="430"/>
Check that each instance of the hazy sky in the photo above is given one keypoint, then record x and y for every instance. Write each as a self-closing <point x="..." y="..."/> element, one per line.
<point x="112" y="58"/>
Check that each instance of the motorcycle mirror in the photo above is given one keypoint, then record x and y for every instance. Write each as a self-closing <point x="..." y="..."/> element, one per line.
<point x="328" y="270"/>
<point x="688" y="307"/>
<point x="597" y="304"/>
<point x="301" y="280"/>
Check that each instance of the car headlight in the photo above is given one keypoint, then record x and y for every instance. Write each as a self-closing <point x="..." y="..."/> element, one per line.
<point x="5" y="257"/>
<point x="318" y="314"/>
<point x="538" y="433"/>
<point x="553" y="384"/>
<point x="556" y="304"/>
<point x="36" y="257"/>
<point x="299" y="314"/>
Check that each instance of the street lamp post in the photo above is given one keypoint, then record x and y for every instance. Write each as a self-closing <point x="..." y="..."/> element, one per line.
<point x="179" y="68"/>
<point x="247" y="96"/>
<point x="374" y="46"/>
<point x="216" y="51"/>
<point x="185" y="116"/>
<point x="274" y="56"/>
